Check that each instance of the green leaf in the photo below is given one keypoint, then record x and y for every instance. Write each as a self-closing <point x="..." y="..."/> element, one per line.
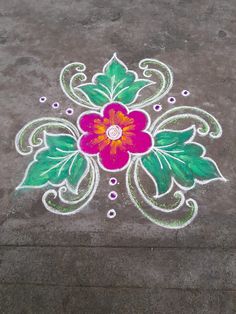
<point x="59" y="161"/>
<point x="175" y="158"/>
<point x="116" y="83"/>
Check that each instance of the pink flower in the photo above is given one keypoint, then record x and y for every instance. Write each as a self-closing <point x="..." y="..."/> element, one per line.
<point x="114" y="135"/>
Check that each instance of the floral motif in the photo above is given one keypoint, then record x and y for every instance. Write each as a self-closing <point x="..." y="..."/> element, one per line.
<point x="116" y="83"/>
<point x="114" y="135"/>
<point x="121" y="136"/>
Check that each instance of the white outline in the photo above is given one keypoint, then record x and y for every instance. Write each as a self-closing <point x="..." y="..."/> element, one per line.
<point x="111" y="211"/>
<point x="86" y="194"/>
<point x="64" y="182"/>
<point x="79" y="101"/>
<point x="116" y="132"/>
<point x="164" y="73"/>
<point x="183" y="92"/>
<point x="72" y="111"/>
<point x="171" y="102"/>
<point x="157" y="221"/>
<point x="166" y="80"/>
<point x="113" y="178"/>
<point x="115" y="195"/>
<point x="96" y="175"/>
<point x="58" y="122"/>
<point x="42" y="101"/>
<point x="130" y="154"/>
<point x="112" y="99"/>
<point x="173" y="181"/>
<point x="180" y="193"/>
<point x="57" y="105"/>
<point x="159" y="108"/>
<point x="173" y="114"/>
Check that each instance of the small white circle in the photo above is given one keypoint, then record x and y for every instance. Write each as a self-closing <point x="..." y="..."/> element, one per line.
<point x="111" y="213"/>
<point x="114" y="132"/>
<point x="69" y="111"/>
<point x="113" y="181"/>
<point x="171" y="100"/>
<point x="42" y="99"/>
<point x="55" y="105"/>
<point x="185" y="93"/>
<point x="157" y="107"/>
<point x="112" y="195"/>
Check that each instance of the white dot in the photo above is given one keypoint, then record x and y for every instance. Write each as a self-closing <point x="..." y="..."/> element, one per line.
<point x="185" y="93"/>
<point x="55" y="105"/>
<point x="69" y="111"/>
<point x="111" y="213"/>
<point x="171" y="100"/>
<point x="42" y="99"/>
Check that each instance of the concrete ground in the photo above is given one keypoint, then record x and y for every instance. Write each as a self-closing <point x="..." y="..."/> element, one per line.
<point x="86" y="263"/>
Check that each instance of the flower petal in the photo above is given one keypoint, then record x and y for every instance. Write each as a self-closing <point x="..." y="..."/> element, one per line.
<point x="92" y="143"/>
<point x="141" y="142"/>
<point x="113" y="161"/>
<point x="88" y="121"/>
<point x="140" y="120"/>
<point x="114" y="154"/>
<point x="111" y="109"/>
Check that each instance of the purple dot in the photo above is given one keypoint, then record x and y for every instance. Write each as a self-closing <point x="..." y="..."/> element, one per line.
<point x="42" y="99"/>
<point x="55" y="105"/>
<point x="185" y="93"/>
<point x="69" y="111"/>
<point x="171" y="100"/>
<point x="157" y="107"/>
<point x="113" y="181"/>
<point x="112" y="195"/>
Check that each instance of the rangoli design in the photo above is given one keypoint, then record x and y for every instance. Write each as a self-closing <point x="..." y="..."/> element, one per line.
<point x="117" y="134"/>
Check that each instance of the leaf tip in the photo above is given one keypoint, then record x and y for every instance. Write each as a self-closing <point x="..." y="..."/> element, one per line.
<point x="73" y="189"/>
<point x="150" y="82"/>
<point x="222" y="178"/>
<point x="114" y="58"/>
<point x="20" y="186"/>
<point x="220" y="175"/>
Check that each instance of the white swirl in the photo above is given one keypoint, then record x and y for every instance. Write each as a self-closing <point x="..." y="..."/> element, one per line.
<point x="114" y="132"/>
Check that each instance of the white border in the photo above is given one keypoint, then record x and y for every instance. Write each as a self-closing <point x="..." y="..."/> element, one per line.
<point x="174" y="114"/>
<point x="158" y="221"/>
<point x="113" y="184"/>
<point x="94" y="79"/>
<point x="195" y="180"/>
<point x="81" y="102"/>
<point x="185" y="90"/>
<point x="180" y="193"/>
<point x="96" y="176"/>
<point x="46" y="122"/>
<point x="64" y="182"/>
<point x="166" y="80"/>
<point x="112" y="210"/>
<point x="130" y="154"/>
